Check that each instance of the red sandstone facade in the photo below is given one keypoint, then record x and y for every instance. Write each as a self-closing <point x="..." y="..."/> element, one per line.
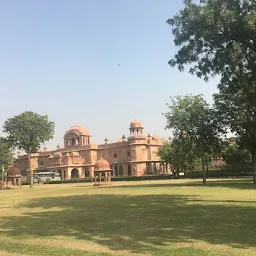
<point x="132" y="156"/>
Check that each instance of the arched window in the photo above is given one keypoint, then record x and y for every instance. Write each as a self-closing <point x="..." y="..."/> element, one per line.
<point x="129" y="170"/>
<point x="74" y="173"/>
<point x="121" y="172"/>
<point x="116" y="171"/>
<point x="87" y="173"/>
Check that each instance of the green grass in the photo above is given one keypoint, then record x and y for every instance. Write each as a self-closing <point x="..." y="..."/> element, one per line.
<point x="170" y="217"/>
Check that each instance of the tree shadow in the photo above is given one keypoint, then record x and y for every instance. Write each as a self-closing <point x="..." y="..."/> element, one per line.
<point x="234" y="184"/>
<point x="136" y="223"/>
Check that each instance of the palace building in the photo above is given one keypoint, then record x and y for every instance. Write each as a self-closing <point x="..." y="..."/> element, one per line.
<point x="132" y="156"/>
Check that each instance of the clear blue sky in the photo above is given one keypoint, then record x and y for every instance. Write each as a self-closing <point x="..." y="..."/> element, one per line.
<point x="60" y="58"/>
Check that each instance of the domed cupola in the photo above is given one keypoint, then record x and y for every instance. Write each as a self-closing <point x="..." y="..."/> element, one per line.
<point x="77" y="136"/>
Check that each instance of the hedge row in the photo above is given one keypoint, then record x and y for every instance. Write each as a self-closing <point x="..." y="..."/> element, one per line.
<point x="219" y="173"/>
<point x="222" y="173"/>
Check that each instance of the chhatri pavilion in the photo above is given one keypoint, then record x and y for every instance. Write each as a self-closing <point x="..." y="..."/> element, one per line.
<point x="132" y="156"/>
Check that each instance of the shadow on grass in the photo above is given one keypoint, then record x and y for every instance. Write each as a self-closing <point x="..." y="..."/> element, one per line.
<point x="235" y="184"/>
<point x="135" y="223"/>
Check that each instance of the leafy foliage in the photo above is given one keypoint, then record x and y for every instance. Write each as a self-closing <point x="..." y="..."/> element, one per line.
<point x="6" y="155"/>
<point x="177" y="152"/>
<point x="235" y="156"/>
<point x="191" y="118"/>
<point x="216" y="37"/>
<point x="28" y="131"/>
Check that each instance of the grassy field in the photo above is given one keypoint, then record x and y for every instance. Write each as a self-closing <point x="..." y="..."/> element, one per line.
<point x="171" y="217"/>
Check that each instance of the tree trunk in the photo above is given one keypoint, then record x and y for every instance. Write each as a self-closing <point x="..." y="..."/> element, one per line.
<point x="204" y="173"/>
<point x="254" y="165"/>
<point x="207" y="168"/>
<point x="3" y="173"/>
<point x="30" y="171"/>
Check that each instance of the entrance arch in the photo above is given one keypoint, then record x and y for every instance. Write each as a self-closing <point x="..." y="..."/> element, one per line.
<point x="74" y="173"/>
<point x="129" y="170"/>
<point x="121" y="172"/>
<point x="116" y="171"/>
<point x="87" y="173"/>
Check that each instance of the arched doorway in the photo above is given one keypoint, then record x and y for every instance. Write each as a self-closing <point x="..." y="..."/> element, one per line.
<point x="129" y="170"/>
<point x="87" y="173"/>
<point x="121" y="172"/>
<point x="74" y="173"/>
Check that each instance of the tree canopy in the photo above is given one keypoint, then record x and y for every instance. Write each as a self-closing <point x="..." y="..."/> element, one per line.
<point x="218" y="38"/>
<point x="191" y="118"/>
<point x="6" y="155"/>
<point x="27" y="132"/>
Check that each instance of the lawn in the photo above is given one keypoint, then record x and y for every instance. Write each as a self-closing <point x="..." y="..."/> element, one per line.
<point x="171" y="217"/>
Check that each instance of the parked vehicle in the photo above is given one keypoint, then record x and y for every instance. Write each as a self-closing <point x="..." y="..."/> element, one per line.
<point x="46" y="177"/>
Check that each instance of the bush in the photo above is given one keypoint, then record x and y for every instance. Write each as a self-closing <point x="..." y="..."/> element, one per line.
<point x="220" y="173"/>
<point x="216" y="173"/>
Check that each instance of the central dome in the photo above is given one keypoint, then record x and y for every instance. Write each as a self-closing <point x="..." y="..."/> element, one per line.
<point x="102" y="164"/>
<point x="79" y="130"/>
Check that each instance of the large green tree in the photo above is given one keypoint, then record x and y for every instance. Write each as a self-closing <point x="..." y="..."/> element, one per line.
<point x="6" y="155"/>
<point x="189" y="116"/>
<point x="27" y="132"/>
<point x="178" y="152"/>
<point x="237" y="157"/>
<point x="218" y="38"/>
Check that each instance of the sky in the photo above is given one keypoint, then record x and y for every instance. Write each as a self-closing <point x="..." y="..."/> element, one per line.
<point x="98" y="63"/>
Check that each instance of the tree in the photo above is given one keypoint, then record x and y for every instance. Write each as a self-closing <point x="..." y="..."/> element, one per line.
<point x="190" y="117"/>
<point x="237" y="110"/>
<point x="218" y="37"/>
<point x="176" y="153"/>
<point x="6" y="156"/>
<point x="27" y="132"/>
<point x="236" y="156"/>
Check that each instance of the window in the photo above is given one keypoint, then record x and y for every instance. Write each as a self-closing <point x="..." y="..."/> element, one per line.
<point x="115" y="155"/>
<point x="42" y="163"/>
<point x="128" y="153"/>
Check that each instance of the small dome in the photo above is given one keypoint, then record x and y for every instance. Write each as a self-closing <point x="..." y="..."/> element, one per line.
<point x="79" y="130"/>
<point x="102" y="164"/>
<point x="156" y="137"/>
<point x="57" y="154"/>
<point x="136" y="124"/>
<point x="13" y="172"/>
<point x="74" y="153"/>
